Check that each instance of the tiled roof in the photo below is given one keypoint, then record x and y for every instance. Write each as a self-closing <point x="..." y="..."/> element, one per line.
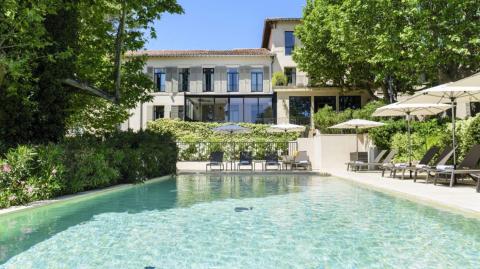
<point x="267" y="28"/>
<point x="186" y="53"/>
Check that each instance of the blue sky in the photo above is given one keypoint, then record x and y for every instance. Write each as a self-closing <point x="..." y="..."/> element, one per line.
<point x="220" y="24"/>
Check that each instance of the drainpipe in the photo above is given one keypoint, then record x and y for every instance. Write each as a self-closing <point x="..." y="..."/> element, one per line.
<point x="141" y="116"/>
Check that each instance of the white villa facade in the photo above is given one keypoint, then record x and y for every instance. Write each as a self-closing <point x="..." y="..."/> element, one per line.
<point x="235" y="85"/>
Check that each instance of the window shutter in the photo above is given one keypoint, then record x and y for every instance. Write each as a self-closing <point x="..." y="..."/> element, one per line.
<point x="174" y="79"/>
<point x="195" y="79"/>
<point x="151" y="74"/>
<point x="266" y="78"/>
<point x="220" y="73"/>
<point x="174" y="112"/>
<point x="245" y="79"/>
<point x="149" y="115"/>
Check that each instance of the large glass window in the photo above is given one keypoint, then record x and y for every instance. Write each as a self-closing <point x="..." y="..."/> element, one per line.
<point x="183" y="80"/>
<point x="291" y="75"/>
<point x="299" y="112"/>
<point x="251" y="109"/>
<point x="289" y="42"/>
<point x="160" y="78"/>
<point x="352" y="102"/>
<point x="235" y="111"/>
<point x="158" y="112"/>
<point x="322" y="101"/>
<point x="257" y="80"/>
<point x="265" y="109"/>
<point x="208" y="79"/>
<point x="232" y="79"/>
<point x="474" y="108"/>
<point x="230" y="109"/>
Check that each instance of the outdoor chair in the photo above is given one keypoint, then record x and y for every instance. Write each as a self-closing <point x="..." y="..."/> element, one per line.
<point x="387" y="163"/>
<point x="216" y="159"/>
<point x="245" y="160"/>
<point x="424" y="162"/>
<point x="381" y="164"/>
<point x="302" y="160"/>
<point x="466" y="167"/>
<point x="271" y="159"/>
<point x="358" y="164"/>
<point x="441" y="161"/>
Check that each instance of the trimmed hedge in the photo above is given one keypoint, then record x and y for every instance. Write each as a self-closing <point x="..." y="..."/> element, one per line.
<point x="197" y="139"/>
<point x="34" y="172"/>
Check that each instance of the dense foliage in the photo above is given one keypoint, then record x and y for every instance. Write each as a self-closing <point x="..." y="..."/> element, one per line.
<point x="326" y="116"/>
<point x="197" y="139"/>
<point x="279" y="79"/>
<point x="29" y="173"/>
<point x="43" y="43"/>
<point x="392" y="45"/>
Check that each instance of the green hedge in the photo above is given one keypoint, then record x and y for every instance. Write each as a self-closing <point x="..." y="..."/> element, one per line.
<point x="197" y="139"/>
<point x="34" y="172"/>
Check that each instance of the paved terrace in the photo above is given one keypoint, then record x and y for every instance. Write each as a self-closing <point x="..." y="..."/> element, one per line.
<point x="459" y="198"/>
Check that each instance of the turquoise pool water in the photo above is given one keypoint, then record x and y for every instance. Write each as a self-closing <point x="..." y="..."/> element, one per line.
<point x="296" y="221"/>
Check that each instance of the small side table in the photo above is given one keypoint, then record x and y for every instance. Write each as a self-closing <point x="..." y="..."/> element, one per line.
<point x="261" y="162"/>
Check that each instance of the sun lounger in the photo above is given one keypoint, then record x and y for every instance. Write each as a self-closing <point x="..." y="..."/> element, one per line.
<point x="216" y="159"/>
<point x="246" y="159"/>
<point x="358" y="164"/>
<point x="468" y="166"/>
<point x="302" y="160"/>
<point x="271" y="159"/>
<point x="425" y="161"/>
<point x="442" y="159"/>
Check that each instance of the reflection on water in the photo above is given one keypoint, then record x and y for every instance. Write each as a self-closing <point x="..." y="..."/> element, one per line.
<point x="22" y="230"/>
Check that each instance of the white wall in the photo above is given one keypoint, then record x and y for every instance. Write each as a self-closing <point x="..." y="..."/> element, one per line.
<point x="330" y="152"/>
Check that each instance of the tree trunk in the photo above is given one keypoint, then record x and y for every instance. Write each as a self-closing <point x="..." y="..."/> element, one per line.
<point x="118" y="53"/>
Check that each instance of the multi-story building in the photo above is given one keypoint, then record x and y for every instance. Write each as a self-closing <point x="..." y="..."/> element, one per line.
<point x="235" y="85"/>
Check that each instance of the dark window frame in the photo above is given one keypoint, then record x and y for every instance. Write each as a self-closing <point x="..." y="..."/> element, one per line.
<point x="296" y="117"/>
<point x="291" y="76"/>
<point x="158" y="74"/>
<point x="256" y="82"/>
<point x="233" y="80"/>
<point x="208" y="77"/>
<point x="319" y="104"/>
<point x="344" y="104"/>
<point x="271" y="120"/>
<point x="158" y="114"/>
<point x="289" y="47"/>
<point x="184" y="80"/>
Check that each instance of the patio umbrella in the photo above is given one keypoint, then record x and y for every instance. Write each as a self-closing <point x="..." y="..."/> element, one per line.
<point x="464" y="90"/>
<point x="408" y="110"/>
<point x="231" y="128"/>
<point x="357" y="124"/>
<point x="286" y="128"/>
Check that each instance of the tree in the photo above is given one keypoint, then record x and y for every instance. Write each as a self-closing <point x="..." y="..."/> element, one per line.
<point x="392" y="45"/>
<point x="61" y="63"/>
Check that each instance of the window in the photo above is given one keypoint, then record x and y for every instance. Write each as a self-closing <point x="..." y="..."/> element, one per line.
<point x="158" y="112"/>
<point x="257" y="80"/>
<point x="289" y="42"/>
<point x="291" y="75"/>
<point x="474" y="108"/>
<point x="352" y="102"/>
<point x="183" y="80"/>
<point x="160" y="77"/>
<point x="299" y="112"/>
<point x="230" y="109"/>
<point x="208" y="79"/>
<point x="176" y="112"/>
<point x="322" y="101"/>
<point x="232" y="79"/>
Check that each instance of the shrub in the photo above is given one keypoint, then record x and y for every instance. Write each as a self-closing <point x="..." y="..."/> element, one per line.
<point x="198" y="140"/>
<point x="279" y="79"/>
<point x="29" y="173"/>
<point x="400" y="143"/>
<point x="326" y="116"/>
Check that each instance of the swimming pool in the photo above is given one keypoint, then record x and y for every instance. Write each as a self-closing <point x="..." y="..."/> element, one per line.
<point x="240" y="221"/>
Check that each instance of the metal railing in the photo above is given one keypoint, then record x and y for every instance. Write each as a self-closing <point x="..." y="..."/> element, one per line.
<point x="200" y="151"/>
